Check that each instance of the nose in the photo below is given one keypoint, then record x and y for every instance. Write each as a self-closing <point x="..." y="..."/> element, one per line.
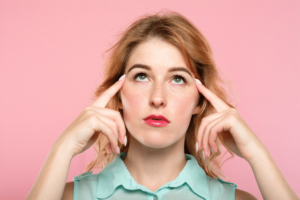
<point x="157" y="98"/>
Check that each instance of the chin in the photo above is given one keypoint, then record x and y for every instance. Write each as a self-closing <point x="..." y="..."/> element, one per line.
<point x="155" y="140"/>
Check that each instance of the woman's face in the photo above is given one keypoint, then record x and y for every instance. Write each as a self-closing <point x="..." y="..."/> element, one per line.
<point x="158" y="92"/>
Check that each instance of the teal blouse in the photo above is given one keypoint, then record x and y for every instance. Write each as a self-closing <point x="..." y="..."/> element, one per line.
<point x="115" y="182"/>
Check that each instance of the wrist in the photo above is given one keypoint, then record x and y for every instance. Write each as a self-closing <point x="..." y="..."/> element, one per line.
<point x="62" y="149"/>
<point x="262" y="154"/>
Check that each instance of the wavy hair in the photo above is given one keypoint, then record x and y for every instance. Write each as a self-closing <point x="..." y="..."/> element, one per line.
<point x="174" y="28"/>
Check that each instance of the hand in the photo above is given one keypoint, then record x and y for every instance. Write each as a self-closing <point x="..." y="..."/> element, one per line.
<point x="95" y="118"/>
<point x="226" y="121"/>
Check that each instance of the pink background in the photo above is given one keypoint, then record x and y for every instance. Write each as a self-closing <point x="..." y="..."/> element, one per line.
<point x="50" y="58"/>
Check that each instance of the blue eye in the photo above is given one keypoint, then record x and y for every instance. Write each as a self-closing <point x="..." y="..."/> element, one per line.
<point x="140" y="75"/>
<point x="176" y="77"/>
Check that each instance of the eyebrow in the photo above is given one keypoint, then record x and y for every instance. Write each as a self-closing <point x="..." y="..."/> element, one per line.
<point x="170" y="70"/>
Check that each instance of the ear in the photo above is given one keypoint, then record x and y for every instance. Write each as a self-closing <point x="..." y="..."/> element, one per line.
<point x="197" y="109"/>
<point x="120" y="105"/>
<point x="120" y="101"/>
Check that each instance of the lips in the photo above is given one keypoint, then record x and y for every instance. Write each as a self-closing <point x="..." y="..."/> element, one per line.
<point x="157" y="118"/>
<point x="156" y="121"/>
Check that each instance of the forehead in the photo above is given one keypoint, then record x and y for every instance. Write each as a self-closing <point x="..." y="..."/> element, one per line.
<point x="156" y="54"/>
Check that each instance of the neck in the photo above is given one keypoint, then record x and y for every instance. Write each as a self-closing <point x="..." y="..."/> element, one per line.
<point x="154" y="167"/>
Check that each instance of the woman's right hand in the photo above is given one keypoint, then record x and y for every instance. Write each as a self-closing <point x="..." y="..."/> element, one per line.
<point x="82" y="133"/>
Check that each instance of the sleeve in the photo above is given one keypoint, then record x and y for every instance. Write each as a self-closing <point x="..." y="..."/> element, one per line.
<point x="231" y="188"/>
<point x="77" y="180"/>
<point x="220" y="189"/>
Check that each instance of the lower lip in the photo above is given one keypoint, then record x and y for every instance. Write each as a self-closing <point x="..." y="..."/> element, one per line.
<point x="156" y="123"/>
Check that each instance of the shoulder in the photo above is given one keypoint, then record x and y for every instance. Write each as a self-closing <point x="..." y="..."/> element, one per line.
<point x="68" y="191"/>
<point x="227" y="190"/>
<point x="219" y="183"/>
<point x="84" y="186"/>
<point x="87" y="179"/>
<point x="243" y="195"/>
<point x="84" y="176"/>
<point x="220" y="189"/>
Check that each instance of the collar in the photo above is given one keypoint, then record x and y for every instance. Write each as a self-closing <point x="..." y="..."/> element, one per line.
<point x="116" y="173"/>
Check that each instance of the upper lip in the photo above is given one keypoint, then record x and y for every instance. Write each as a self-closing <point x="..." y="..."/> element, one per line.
<point x="157" y="117"/>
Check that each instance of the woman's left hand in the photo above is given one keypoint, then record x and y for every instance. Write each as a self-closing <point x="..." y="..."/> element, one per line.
<point x="227" y="122"/>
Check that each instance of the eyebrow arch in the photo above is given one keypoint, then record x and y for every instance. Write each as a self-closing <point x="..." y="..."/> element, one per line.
<point x="148" y="68"/>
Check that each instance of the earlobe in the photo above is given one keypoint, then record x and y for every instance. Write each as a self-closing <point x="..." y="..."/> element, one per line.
<point x="197" y="109"/>
<point x="120" y="105"/>
<point x="120" y="101"/>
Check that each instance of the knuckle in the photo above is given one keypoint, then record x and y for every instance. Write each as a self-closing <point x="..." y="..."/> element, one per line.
<point x="211" y="141"/>
<point x="199" y="135"/>
<point x="89" y="112"/>
<point x="232" y="110"/>
<point x="231" y="117"/>
<point x="200" y="141"/>
<point x="205" y="130"/>
<point x="87" y="108"/>
<point x="93" y="119"/>
<point x="204" y="146"/>
<point x="110" y="135"/>
<point x="213" y="129"/>
<point x="117" y="114"/>
<point x="204" y="120"/>
<point x="116" y="133"/>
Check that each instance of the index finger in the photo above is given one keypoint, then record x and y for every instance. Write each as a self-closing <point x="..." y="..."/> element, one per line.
<point x="217" y="103"/>
<point x="109" y="93"/>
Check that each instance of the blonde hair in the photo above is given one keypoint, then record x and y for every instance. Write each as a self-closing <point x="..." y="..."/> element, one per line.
<point x="179" y="31"/>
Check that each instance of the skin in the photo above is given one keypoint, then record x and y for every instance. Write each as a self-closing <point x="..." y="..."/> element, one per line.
<point x="157" y="95"/>
<point x="242" y="141"/>
<point x="150" y="158"/>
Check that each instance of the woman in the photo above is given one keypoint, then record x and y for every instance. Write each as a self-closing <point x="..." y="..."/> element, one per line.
<point x="159" y="129"/>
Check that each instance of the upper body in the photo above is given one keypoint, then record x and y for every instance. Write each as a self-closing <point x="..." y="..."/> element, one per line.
<point x="156" y="153"/>
<point x="171" y="108"/>
<point x="115" y="182"/>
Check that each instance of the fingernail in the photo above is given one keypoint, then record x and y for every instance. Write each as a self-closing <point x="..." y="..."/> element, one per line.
<point x="125" y="142"/>
<point x="196" y="146"/>
<point x="212" y="151"/>
<point x="122" y="77"/>
<point x="203" y="154"/>
<point x="111" y="152"/>
<point x="118" y="150"/>
<point x="198" y="81"/>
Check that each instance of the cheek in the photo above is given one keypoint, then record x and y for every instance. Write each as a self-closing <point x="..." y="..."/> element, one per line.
<point x="181" y="101"/>
<point x="132" y="100"/>
<point x="183" y="105"/>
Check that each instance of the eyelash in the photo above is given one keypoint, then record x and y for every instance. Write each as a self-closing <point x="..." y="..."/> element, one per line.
<point x="176" y="75"/>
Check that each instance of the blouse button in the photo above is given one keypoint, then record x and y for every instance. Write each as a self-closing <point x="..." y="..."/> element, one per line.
<point x="155" y="197"/>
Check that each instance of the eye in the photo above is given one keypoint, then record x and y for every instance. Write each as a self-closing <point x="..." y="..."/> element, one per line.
<point x="143" y="75"/>
<point x="177" y="78"/>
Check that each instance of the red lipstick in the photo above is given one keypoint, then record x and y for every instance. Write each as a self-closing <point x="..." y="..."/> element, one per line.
<point x="157" y="121"/>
